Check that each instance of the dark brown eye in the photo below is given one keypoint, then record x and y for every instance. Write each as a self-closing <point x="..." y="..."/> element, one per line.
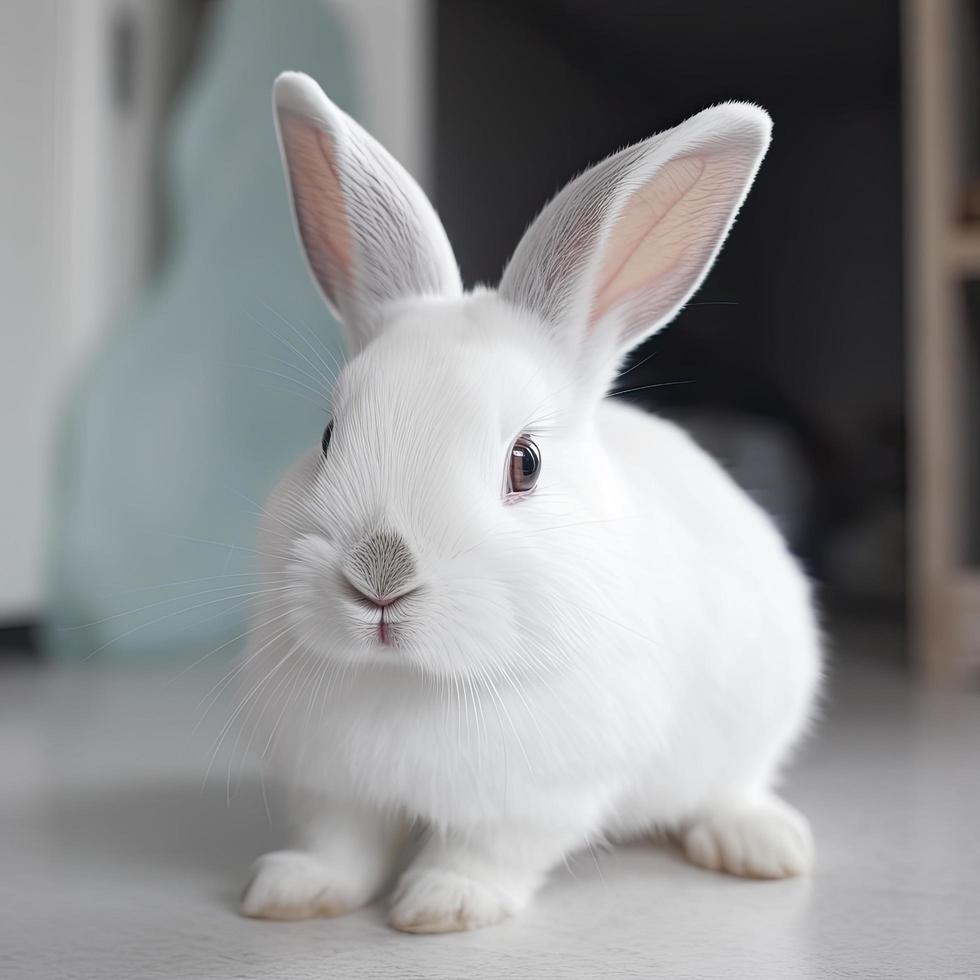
<point x="524" y="467"/>
<point x="327" y="433"/>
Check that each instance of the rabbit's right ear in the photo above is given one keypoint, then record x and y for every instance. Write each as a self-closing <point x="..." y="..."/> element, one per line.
<point x="623" y="247"/>
<point x="369" y="232"/>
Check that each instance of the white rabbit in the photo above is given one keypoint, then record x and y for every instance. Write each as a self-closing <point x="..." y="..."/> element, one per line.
<point x="502" y="610"/>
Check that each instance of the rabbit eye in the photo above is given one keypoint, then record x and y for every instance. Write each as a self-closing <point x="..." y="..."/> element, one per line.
<point x="327" y="433"/>
<point x="524" y="466"/>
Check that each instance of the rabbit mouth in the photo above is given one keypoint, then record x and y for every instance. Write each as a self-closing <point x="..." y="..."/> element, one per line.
<point x="382" y="630"/>
<point x="381" y="622"/>
<point x="388" y="631"/>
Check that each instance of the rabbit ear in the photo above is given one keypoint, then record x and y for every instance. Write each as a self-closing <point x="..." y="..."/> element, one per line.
<point x="619" y="251"/>
<point x="369" y="233"/>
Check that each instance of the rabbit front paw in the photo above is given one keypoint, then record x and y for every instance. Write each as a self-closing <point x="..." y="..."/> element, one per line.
<point x="289" y="885"/>
<point x="435" y="900"/>
<point x="764" y="839"/>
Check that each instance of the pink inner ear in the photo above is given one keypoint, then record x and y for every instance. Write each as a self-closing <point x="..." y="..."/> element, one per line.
<point x="664" y="236"/>
<point x="319" y="201"/>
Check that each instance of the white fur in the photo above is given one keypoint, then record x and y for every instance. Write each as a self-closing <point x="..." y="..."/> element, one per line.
<point x="630" y="647"/>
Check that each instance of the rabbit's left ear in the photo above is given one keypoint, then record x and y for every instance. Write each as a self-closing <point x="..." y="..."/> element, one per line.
<point x="618" y="252"/>
<point x="369" y="233"/>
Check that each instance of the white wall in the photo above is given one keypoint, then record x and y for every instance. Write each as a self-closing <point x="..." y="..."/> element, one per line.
<point x="394" y="65"/>
<point x="27" y="260"/>
<point x="76" y="228"/>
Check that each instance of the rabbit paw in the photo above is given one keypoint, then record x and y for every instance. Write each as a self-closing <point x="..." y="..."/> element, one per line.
<point x="768" y="839"/>
<point x="296" y="885"/>
<point x="445" y="901"/>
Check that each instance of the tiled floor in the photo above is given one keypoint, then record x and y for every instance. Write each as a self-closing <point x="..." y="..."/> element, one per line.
<point x="115" y="864"/>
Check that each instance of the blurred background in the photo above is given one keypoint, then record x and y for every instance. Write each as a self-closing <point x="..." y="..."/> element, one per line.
<point x="160" y="341"/>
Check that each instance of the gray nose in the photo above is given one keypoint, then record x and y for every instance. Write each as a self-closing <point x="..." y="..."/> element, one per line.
<point x="381" y="567"/>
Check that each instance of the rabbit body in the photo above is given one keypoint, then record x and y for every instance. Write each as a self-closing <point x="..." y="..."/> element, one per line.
<point x="625" y="646"/>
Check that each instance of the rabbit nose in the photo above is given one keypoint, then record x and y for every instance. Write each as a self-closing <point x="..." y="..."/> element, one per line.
<point x="371" y="599"/>
<point x="380" y="568"/>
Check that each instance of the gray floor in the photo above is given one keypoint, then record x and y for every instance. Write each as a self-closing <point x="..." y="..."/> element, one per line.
<point x="114" y="863"/>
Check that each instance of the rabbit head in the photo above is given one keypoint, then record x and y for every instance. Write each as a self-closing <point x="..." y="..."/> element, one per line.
<point x="453" y="518"/>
